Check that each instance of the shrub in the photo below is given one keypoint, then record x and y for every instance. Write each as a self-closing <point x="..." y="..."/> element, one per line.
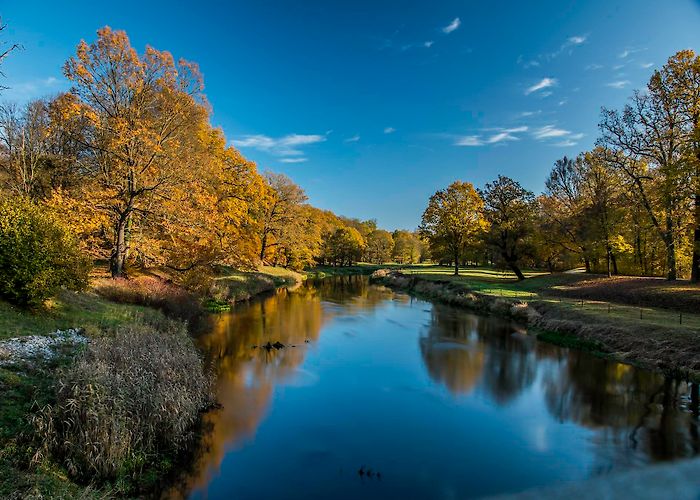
<point x="126" y="406"/>
<point x="37" y="254"/>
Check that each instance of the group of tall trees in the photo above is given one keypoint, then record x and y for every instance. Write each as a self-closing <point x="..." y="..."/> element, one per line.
<point x="129" y="162"/>
<point x="630" y="205"/>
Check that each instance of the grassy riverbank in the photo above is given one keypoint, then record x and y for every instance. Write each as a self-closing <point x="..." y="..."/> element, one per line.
<point x="657" y="338"/>
<point x="102" y="312"/>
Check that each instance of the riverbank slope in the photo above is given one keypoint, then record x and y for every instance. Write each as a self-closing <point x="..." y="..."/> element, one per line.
<point x="664" y="340"/>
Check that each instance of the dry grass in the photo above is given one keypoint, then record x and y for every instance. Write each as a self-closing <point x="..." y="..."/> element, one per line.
<point x="636" y="291"/>
<point x="151" y="291"/>
<point x="126" y="406"/>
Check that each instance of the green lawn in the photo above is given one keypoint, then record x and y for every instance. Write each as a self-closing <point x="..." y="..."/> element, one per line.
<point x="69" y="310"/>
<point x="504" y="284"/>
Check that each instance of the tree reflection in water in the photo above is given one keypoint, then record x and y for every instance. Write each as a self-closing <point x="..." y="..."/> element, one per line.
<point x="629" y="415"/>
<point x="639" y="415"/>
<point x="246" y="375"/>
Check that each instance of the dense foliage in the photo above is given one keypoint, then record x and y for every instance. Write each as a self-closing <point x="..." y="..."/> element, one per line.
<point x="38" y="255"/>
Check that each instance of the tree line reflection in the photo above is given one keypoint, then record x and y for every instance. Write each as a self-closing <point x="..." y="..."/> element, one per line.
<point x="640" y="415"/>
<point x="636" y="414"/>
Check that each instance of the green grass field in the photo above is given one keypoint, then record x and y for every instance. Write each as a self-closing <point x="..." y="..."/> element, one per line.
<point x="69" y="310"/>
<point x="542" y="286"/>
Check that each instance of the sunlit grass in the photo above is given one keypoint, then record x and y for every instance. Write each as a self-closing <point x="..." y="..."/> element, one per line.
<point x="505" y="284"/>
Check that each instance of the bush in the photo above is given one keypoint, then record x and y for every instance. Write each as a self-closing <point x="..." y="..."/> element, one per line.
<point x="37" y="254"/>
<point x="126" y="406"/>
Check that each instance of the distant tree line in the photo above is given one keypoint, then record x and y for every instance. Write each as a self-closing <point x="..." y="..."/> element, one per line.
<point x="630" y="205"/>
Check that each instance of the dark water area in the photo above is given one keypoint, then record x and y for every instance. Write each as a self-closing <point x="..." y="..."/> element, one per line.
<point x="381" y="395"/>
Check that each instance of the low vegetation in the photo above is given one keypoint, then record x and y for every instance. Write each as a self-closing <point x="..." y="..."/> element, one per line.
<point x="125" y="407"/>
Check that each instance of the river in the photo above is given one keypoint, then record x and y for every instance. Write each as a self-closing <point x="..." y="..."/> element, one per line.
<point x="381" y="395"/>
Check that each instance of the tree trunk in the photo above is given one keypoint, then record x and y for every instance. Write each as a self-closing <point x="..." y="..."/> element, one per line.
<point x="118" y="257"/>
<point x="670" y="249"/>
<point x="263" y="247"/>
<point x="514" y="267"/>
<point x="587" y="263"/>
<point x="456" y="263"/>
<point x="607" y="262"/>
<point x="695" y="265"/>
<point x="614" y="264"/>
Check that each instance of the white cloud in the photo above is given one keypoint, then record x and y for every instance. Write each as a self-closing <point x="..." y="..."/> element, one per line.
<point x="354" y="138"/>
<point x="389" y="130"/>
<point x="566" y="47"/>
<point x="293" y="160"/>
<point x="525" y="114"/>
<point x="500" y="135"/>
<point x="618" y="84"/>
<point x="542" y="84"/>
<point x="566" y="137"/>
<point x="287" y="145"/>
<point x="469" y="140"/>
<point x="452" y="26"/>
<point x="646" y="65"/>
<point x="593" y="67"/>
<point x="549" y="131"/>
<point x="533" y="63"/>
<point x="628" y="52"/>
<point x="428" y="44"/>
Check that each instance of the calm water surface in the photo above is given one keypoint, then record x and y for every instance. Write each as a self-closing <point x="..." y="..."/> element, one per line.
<point x="441" y="403"/>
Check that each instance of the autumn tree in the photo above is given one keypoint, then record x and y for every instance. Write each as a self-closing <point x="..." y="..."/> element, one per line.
<point x="379" y="245"/>
<point x="602" y="195"/>
<point x="343" y="247"/>
<point x="142" y="113"/>
<point x="407" y="247"/>
<point x="681" y="75"/>
<point x="453" y="218"/>
<point x="645" y="142"/>
<point x="562" y="208"/>
<point x="509" y="209"/>
<point x="280" y="217"/>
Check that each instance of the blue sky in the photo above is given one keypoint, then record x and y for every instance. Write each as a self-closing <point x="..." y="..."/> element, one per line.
<point x="372" y="106"/>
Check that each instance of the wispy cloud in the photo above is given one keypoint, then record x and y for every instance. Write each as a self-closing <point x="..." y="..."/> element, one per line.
<point x="593" y="67"/>
<point x="294" y="160"/>
<point x="542" y="84"/>
<point x="428" y="44"/>
<point x="389" y="130"/>
<point x="566" y="47"/>
<point x="288" y="145"/>
<point x="565" y="137"/>
<point x="32" y="89"/>
<point x="629" y="51"/>
<point x="496" y="136"/>
<point x="618" y="84"/>
<point x="646" y="65"/>
<point x="452" y="26"/>
<point x="525" y="114"/>
<point x="354" y="138"/>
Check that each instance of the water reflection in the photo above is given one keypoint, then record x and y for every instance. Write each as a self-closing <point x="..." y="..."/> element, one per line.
<point x="360" y="381"/>
<point x="641" y="415"/>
